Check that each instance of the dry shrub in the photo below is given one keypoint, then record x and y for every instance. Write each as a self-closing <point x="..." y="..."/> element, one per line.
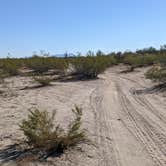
<point x="43" y="81"/>
<point x="157" y="73"/>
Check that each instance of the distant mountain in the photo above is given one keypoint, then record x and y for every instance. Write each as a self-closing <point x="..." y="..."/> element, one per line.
<point x="65" y="54"/>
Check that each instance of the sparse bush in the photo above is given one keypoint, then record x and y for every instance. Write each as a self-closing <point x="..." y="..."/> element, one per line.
<point x="9" y="67"/>
<point x="38" y="64"/>
<point x="43" y="81"/>
<point x="157" y="73"/>
<point x="42" y="65"/>
<point x="136" y="61"/>
<point x="89" y="67"/>
<point x="74" y="134"/>
<point x="43" y="134"/>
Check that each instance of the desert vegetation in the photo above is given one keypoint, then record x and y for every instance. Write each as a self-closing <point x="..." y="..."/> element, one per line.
<point x="42" y="65"/>
<point x="46" y="137"/>
<point x="10" y="66"/>
<point x="91" y="66"/>
<point x="42" y="80"/>
<point x="43" y="136"/>
<point x="88" y="66"/>
<point x="158" y="73"/>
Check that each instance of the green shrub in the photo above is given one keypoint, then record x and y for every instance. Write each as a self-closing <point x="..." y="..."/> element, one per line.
<point x="89" y="67"/>
<point x="133" y="60"/>
<point x="43" y="134"/>
<point x="44" y="64"/>
<point x="75" y="134"/>
<point x="136" y="60"/>
<point x="9" y="67"/>
<point x="38" y="64"/>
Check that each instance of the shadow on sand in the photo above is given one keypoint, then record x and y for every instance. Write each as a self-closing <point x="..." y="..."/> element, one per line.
<point x="151" y="90"/>
<point x="11" y="152"/>
<point x="17" y="154"/>
<point x="74" y="78"/>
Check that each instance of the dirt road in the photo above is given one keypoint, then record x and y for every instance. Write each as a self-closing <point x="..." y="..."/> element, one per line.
<point x="125" y="120"/>
<point x="131" y="127"/>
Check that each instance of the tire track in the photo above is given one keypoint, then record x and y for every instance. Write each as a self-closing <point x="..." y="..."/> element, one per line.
<point x="103" y="139"/>
<point x="142" y="100"/>
<point x="153" y="140"/>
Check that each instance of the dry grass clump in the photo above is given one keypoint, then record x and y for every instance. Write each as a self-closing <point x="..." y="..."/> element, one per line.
<point x="42" y="80"/>
<point x="157" y="73"/>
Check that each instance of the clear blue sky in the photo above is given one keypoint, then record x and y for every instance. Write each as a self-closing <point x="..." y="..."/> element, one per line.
<point x="58" y="26"/>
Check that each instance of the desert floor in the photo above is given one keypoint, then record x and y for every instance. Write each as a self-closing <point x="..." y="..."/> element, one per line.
<point x="124" y="116"/>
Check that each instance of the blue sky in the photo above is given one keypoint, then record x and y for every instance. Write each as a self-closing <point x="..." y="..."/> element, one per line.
<point x="58" y="26"/>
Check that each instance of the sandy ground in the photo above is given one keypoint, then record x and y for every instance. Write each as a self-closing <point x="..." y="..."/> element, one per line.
<point x="125" y="120"/>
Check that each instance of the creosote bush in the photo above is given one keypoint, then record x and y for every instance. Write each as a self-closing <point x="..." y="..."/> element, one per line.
<point x="136" y="61"/>
<point x="88" y="66"/>
<point x="9" y="67"/>
<point x="91" y="66"/>
<point x="42" y="133"/>
<point x="42" y="65"/>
